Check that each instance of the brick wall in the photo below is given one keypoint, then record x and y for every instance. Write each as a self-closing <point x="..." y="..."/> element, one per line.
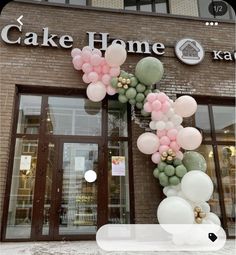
<point x="52" y="67"/>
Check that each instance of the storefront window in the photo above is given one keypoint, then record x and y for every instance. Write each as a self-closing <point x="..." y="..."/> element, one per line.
<point x="202" y="121"/>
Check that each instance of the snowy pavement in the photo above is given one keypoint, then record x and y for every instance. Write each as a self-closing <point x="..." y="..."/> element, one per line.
<point x="88" y="248"/>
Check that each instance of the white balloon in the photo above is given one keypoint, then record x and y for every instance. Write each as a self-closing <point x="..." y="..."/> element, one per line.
<point x="160" y="125"/>
<point x="152" y="125"/>
<point x="189" y="138"/>
<point x="175" y="210"/>
<point x="169" y="125"/>
<point x="170" y="113"/>
<point x="197" y="186"/>
<point x="185" y="106"/>
<point x="205" y="207"/>
<point x="96" y="91"/>
<point x="171" y="193"/>
<point x="165" y="118"/>
<point x="176" y="119"/>
<point x="165" y="190"/>
<point x="115" y="55"/>
<point x="148" y="143"/>
<point x="213" y="218"/>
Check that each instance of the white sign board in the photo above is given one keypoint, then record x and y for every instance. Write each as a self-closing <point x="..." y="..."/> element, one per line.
<point x="25" y="162"/>
<point x="118" y="166"/>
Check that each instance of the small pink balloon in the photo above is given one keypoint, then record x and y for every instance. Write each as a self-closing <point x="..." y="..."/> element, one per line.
<point x="77" y="62"/>
<point x="174" y="146"/>
<point x="163" y="148"/>
<point x="87" y="48"/>
<point x="151" y="97"/>
<point x="179" y="155"/>
<point x="103" y="62"/>
<point x="156" y="157"/>
<point x="93" y="77"/>
<point x="85" y="78"/>
<point x="162" y="97"/>
<point x="172" y="133"/>
<point x="97" y="52"/>
<point x="86" y="55"/>
<point x="156" y="105"/>
<point x="87" y="68"/>
<point x="165" y="107"/>
<point x="97" y="69"/>
<point x="106" y="79"/>
<point x="105" y="69"/>
<point x="161" y="133"/>
<point x="95" y="60"/>
<point x="76" y="52"/>
<point x="147" y="107"/>
<point x="114" y="71"/>
<point x="110" y="91"/>
<point x="164" y="140"/>
<point x="157" y="115"/>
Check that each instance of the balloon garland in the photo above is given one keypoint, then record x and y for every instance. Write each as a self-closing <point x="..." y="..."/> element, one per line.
<point x="186" y="185"/>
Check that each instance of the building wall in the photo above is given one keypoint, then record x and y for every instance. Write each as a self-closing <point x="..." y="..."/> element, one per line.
<point x="52" y="67"/>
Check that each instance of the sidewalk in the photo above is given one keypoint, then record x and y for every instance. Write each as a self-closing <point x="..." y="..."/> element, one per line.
<point x="88" y="248"/>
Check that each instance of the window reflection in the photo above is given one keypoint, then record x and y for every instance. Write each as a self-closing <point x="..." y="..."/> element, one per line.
<point x="202" y="121"/>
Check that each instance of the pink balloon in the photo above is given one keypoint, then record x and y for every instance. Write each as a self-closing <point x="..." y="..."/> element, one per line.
<point x="164" y="140"/>
<point x="85" y="78"/>
<point x="165" y="107"/>
<point x="179" y="155"/>
<point x="156" y="157"/>
<point x="110" y="91"/>
<point x="93" y="77"/>
<point x="189" y="138"/>
<point x="172" y="133"/>
<point x="105" y="69"/>
<point x="86" y="55"/>
<point x="87" y="68"/>
<point x="97" y="52"/>
<point x="87" y="48"/>
<point x="115" y="55"/>
<point x="151" y="97"/>
<point x="147" y="107"/>
<point x="103" y="62"/>
<point x="157" y="115"/>
<point x="162" y="97"/>
<point x="75" y="52"/>
<point x="174" y="146"/>
<point x="114" y="71"/>
<point x="96" y="91"/>
<point x="163" y="148"/>
<point x="97" y="69"/>
<point x="161" y="133"/>
<point x="106" y="79"/>
<point x="77" y="62"/>
<point x="156" y="105"/>
<point x="148" y="143"/>
<point x="95" y="60"/>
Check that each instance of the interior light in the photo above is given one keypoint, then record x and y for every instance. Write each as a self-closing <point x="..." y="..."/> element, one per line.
<point x="210" y="155"/>
<point x="90" y="176"/>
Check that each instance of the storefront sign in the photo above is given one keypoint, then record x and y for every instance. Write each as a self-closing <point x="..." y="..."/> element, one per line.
<point x="189" y="51"/>
<point x="224" y="55"/>
<point x="25" y="162"/>
<point x="118" y="165"/>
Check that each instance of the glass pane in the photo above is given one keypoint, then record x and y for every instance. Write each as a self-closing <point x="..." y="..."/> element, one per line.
<point x="207" y="152"/>
<point x="202" y="121"/>
<point x="73" y="116"/>
<point x="78" y="2"/>
<point x="78" y="214"/>
<point x="57" y="1"/>
<point x="161" y="6"/>
<point x="22" y="189"/>
<point x="48" y="188"/>
<point x="146" y="6"/>
<point x="130" y="5"/>
<point x="117" y="119"/>
<point x="118" y="183"/>
<point x="203" y="8"/>
<point x="227" y="168"/>
<point x="29" y="114"/>
<point x="224" y="120"/>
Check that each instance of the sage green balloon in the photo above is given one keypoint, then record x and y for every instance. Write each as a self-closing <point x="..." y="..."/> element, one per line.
<point x="169" y="170"/>
<point x="174" y="180"/>
<point x="140" y="97"/>
<point x="177" y="162"/>
<point x="130" y="75"/>
<point x="161" y="166"/>
<point x="149" y="70"/>
<point x="132" y="101"/>
<point x="124" y="74"/>
<point x="180" y="171"/>
<point x="113" y="82"/>
<point x="147" y="91"/>
<point x="156" y="91"/>
<point x="123" y="99"/>
<point x="139" y="105"/>
<point x="193" y="160"/>
<point x="163" y="179"/>
<point x="156" y="172"/>
<point x="133" y="81"/>
<point x="145" y="114"/>
<point x="140" y="88"/>
<point x="121" y="91"/>
<point x="131" y="93"/>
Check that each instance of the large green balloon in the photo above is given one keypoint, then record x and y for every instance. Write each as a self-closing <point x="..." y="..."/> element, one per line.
<point x="194" y="161"/>
<point x="149" y="70"/>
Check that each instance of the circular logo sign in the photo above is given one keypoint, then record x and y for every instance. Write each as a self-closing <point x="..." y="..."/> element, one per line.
<point x="189" y="51"/>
